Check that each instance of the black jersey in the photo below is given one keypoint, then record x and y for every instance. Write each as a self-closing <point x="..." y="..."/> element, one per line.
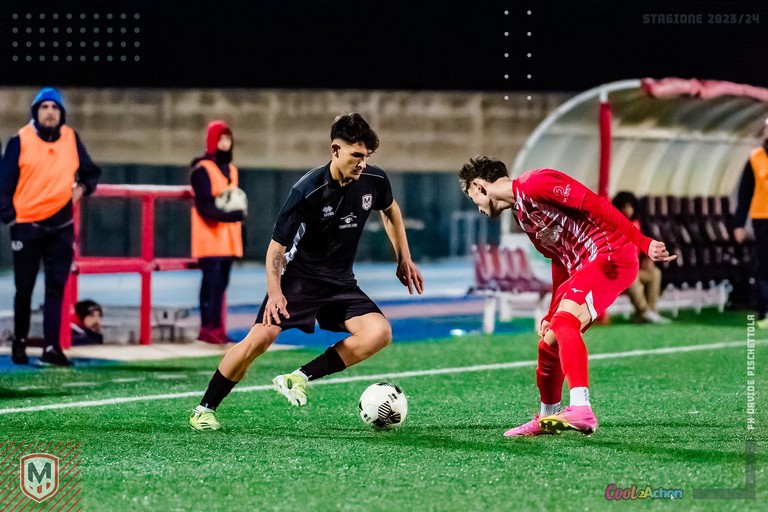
<point x="321" y="222"/>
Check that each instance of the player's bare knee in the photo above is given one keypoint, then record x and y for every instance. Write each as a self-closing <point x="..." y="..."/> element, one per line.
<point x="580" y="311"/>
<point x="253" y="349"/>
<point x="380" y="335"/>
<point x="257" y="342"/>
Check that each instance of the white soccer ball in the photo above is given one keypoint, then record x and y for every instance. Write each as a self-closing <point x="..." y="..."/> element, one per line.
<point x="232" y="199"/>
<point x="383" y="405"/>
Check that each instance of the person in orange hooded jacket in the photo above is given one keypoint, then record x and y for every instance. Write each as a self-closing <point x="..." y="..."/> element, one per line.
<point x="216" y="233"/>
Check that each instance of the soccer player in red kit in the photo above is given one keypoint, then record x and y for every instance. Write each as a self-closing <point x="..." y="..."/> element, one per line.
<point x="593" y="248"/>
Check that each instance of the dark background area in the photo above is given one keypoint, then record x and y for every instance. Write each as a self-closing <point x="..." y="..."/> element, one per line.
<point x="397" y="44"/>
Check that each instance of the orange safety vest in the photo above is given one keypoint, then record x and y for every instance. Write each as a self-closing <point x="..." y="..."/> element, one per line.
<point x="758" y="209"/>
<point x="212" y="238"/>
<point x="46" y="174"/>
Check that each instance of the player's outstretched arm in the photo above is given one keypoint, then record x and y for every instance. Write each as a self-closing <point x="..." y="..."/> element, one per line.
<point x="657" y="251"/>
<point x="277" y="304"/>
<point x="407" y="271"/>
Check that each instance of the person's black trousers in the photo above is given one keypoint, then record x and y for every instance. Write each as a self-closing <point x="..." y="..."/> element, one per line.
<point x="31" y="244"/>
<point x="216" y="272"/>
<point x="760" y="226"/>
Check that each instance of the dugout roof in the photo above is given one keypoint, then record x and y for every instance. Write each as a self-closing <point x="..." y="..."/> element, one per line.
<point x="669" y="137"/>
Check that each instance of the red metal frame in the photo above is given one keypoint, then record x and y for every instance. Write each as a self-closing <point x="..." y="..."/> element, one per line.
<point x="606" y="118"/>
<point x="144" y="265"/>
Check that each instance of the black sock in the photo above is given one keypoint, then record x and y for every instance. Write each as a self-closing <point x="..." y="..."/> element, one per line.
<point x="325" y="364"/>
<point x="218" y="389"/>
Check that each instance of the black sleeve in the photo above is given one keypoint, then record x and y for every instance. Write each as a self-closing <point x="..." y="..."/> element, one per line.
<point x="746" y="191"/>
<point x="88" y="173"/>
<point x="384" y="197"/>
<point x="289" y="219"/>
<point x="9" y="178"/>
<point x="204" y="201"/>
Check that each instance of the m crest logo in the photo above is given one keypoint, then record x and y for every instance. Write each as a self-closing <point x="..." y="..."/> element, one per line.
<point x="367" y="201"/>
<point x="39" y="476"/>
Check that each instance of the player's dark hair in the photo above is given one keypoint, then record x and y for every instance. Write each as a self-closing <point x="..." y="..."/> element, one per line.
<point x="487" y="168"/>
<point x="624" y="198"/>
<point x="352" y="129"/>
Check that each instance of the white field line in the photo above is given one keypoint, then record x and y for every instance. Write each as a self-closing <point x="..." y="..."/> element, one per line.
<point x="77" y="384"/>
<point x="383" y="376"/>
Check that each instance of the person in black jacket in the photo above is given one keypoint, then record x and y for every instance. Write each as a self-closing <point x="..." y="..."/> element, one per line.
<point x="44" y="171"/>
<point x="309" y="268"/>
<point x="753" y="200"/>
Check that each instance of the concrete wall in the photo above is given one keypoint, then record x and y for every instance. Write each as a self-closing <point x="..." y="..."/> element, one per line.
<point x="289" y="129"/>
<point x="150" y="136"/>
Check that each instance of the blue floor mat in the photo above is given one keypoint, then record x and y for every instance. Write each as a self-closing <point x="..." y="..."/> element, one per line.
<point x="403" y="330"/>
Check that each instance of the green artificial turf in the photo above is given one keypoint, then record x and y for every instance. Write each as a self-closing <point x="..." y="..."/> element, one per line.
<point x="674" y="421"/>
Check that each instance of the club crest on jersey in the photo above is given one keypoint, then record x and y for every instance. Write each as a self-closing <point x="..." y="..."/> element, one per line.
<point x="562" y="192"/>
<point x="367" y="201"/>
<point x="348" y="221"/>
<point x="327" y="211"/>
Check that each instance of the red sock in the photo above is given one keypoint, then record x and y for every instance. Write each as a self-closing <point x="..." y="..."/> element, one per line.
<point x="549" y="374"/>
<point x="573" y="352"/>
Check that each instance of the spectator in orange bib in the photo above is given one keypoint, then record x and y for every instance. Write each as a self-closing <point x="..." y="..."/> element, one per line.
<point x="753" y="202"/>
<point x="217" y="216"/>
<point x="44" y="171"/>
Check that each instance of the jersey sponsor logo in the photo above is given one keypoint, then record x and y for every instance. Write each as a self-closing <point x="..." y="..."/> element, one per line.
<point x="348" y="221"/>
<point x="562" y="192"/>
<point x="367" y="201"/>
<point x="549" y="236"/>
<point x="17" y="245"/>
<point x="537" y="219"/>
<point x="328" y="211"/>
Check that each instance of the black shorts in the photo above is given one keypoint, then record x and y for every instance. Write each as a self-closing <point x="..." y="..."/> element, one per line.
<point x="331" y="304"/>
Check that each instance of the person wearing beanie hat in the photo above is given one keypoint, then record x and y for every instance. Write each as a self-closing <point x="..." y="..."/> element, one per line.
<point x="86" y="323"/>
<point x="45" y="170"/>
<point x="217" y="238"/>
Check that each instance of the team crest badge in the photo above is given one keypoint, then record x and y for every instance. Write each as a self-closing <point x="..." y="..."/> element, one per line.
<point x="367" y="201"/>
<point x="39" y="476"/>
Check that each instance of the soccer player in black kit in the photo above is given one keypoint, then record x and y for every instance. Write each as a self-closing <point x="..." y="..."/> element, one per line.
<point x="309" y="270"/>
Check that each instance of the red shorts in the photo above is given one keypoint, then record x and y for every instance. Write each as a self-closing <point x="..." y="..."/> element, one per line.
<point x="598" y="283"/>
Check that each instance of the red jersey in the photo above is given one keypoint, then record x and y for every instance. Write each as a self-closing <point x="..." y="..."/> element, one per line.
<point x="569" y="223"/>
